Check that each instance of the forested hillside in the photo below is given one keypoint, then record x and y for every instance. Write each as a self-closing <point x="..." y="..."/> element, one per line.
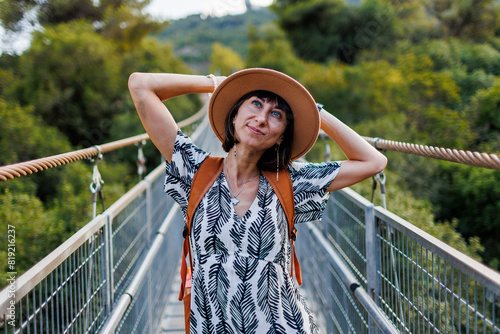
<point x="193" y="37"/>
<point x="420" y="71"/>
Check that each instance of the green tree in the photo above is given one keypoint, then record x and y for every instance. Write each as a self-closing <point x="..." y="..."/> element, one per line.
<point x="365" y="91"/>
<point x="15" y="143"/>
<point x="15" y="13"/>
<point x="71" y="76"/>
<point x="322" y="30"/>
<point x="36" y="231"/>
<point x="8" y="70"/>
<point x="268" y="48"/>
<point x="224" y="61"/>
<point x="127" y="26"/>
<point x="485" y="118"/>
<point x="472" y="196"/>
<point x="454" y="53"/>
<point x="123" y="21"/>
<point x="472" y="19"/>
<point x="412" y="21"/>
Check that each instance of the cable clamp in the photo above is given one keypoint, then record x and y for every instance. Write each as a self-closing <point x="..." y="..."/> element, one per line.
<point x="97" y="181"/>
<point x="141" y="159"/>
<point x="381" y="178"/>
<point x="375" y="141"/>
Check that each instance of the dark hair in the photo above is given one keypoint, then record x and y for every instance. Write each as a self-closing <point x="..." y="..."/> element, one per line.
<point x="268" y="159"/>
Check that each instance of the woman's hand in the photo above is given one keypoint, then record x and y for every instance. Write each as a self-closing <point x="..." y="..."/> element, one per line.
<point x="363" y="160"/>
<point x="148" y="90"/>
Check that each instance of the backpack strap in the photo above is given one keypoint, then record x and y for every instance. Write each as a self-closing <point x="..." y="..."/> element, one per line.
<point x="283" y="188"/>
<point x="203" y="179"/>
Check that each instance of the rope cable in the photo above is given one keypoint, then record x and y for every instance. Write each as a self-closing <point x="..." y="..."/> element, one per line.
<point x="19" y="169"/>
<point x="477" y="159"/>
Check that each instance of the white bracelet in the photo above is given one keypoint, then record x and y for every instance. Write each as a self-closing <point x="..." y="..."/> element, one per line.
<point x="214" y="79"/>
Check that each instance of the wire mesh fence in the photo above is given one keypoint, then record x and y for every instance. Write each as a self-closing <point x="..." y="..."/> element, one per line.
<point x="428" y="287"/>
<point x="70" y="296"/>
<point x="129" y="238"/>
<point x="329" y="299"/>
<point x="421" y="284"/>
<point x="144" y="313"/>
<point x="72" y="290"/>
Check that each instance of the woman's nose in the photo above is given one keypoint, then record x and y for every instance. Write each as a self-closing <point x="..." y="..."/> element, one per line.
<point x="261" y="117"/>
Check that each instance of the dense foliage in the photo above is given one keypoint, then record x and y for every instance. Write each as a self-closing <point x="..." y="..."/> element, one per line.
<point x="68" y="91"/>
<point x="417" y="71"/>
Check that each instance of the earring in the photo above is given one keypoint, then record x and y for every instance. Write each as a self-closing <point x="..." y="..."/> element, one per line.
<point x="277" y="160"/>
<point x="234" y="139"/>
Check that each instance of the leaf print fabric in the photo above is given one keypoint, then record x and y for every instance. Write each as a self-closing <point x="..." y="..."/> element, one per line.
<point x="241" y="281"/>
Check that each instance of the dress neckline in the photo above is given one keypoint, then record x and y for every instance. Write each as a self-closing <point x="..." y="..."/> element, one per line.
<point x="233" y="209"/>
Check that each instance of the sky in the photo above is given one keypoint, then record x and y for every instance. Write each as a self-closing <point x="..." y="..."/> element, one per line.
<point x="164" y="9"/>
<point x="175" y="9"/>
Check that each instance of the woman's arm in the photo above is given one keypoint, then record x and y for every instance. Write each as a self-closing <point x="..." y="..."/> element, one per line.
<point x="148" y="90"/>
<point x="363" y="160"/>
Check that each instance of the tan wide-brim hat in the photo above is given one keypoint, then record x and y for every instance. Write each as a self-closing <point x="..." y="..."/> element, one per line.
<point x="304" y="109"/>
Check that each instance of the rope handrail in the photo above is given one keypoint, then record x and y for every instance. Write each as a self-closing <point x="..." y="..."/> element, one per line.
<point x="477" y="159"/>
<point x="19" y="169"/>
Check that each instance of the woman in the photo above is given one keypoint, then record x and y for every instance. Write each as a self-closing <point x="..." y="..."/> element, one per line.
<point x="241" y="255"/>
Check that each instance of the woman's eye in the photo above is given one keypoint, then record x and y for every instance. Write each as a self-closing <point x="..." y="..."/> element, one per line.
<point x="276" y="113"/>
<point x="257" y="104"/>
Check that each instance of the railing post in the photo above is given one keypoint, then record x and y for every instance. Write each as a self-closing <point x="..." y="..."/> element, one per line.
<point x="149" y="208"/>
<point x="372" y="260"/>
<point x="149" y="212"/>
<point x="110" y="262"/>
<point x="106" y="266"/>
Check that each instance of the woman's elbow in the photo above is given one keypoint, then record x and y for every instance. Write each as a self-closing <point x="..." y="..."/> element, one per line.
<point x="134" y="81"/>
<point x="379" y="163"/>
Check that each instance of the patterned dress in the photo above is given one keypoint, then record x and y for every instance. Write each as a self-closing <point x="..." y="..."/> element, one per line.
<point x="241" y="266"/>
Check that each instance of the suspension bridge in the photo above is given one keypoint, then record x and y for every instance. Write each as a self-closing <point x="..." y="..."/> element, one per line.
<point x="371" y="272"/>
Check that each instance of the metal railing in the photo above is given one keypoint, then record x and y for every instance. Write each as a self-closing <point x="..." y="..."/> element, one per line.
<point x="421" y="284"/>
<point x="428" y="286"/>
<point x="74" y="288"/>
<point x="66" y="291"/>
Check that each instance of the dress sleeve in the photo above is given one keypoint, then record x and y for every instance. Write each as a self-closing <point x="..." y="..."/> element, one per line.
<point x="186" y="159"/>
<point x="310" y="183"/>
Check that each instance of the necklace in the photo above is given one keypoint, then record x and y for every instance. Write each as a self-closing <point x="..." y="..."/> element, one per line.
<point x="234" y="198"/>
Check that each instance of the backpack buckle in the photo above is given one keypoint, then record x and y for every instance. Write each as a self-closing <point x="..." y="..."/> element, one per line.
<point x="293" y="235"/>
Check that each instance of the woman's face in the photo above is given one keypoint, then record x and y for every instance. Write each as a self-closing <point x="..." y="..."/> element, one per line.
<point x="259" y="124"/>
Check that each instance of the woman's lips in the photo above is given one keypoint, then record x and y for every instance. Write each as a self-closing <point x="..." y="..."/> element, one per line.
<point x="255" y="130"/>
